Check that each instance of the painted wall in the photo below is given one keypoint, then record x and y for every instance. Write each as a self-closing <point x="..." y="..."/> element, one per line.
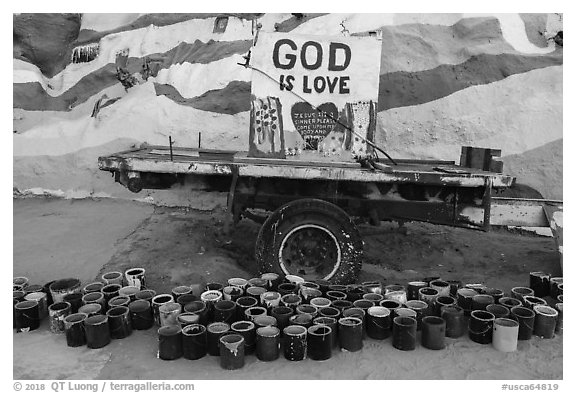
<point x="446" y="80"/>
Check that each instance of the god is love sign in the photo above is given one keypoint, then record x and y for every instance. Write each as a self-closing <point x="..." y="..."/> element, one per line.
<point x="313" y="97"/>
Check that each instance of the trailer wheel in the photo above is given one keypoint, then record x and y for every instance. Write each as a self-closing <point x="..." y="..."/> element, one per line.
<point x="310" y="238"/>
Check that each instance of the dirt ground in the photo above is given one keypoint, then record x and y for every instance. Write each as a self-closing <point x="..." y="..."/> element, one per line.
<point x="55" y="238"/>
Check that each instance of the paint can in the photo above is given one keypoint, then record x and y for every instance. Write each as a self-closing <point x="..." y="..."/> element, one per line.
<point x="399" y="296"/>
<point x="282" y="315"/>
<point x="479" y="302"/>
<point x="158" y="301"/>
<point x="442" y="301"/>
<point x="464" y="299"/>
<point x="375" y="298"/>
<point x="341" y="305"/>
<point x="257" y="282"/>
<point x="520" y="292"/>
<point x="337" y="287"/>
<point x="302" y="320"/>
<point x="531" y="301"/>
<point x="264" y="320"/>
<point x="21" y="282"/>
<point x="354" y="292"/>
<point x="332" y="323"/>
<point x="404" y="333"/>
<point x="479" y="288"/>
<point x="119" y="301"/>
<point x="331" y="312"/>
<point x="309" y="294"/>
<point x="309" y="285"/>
<point x="427" y="280"/>
<point x="391" y="305"/>
<point x="75" y="300"/>
<point x="405" y="312"/>
<point x="57" y="312"/>
<point x="90" y="309"/>
<point x="242" y="304"/>
<point x="141" y="314"/>
<point x="46" y="290"/>
<point x="129" y="291"/>
<point x="455" y="285"/>
<point x="145" y="294"/>
<point x="93" y="287"/>
<point x="183" y="300"/>
<point x="359" y="313"/>
<point x="214" y="286"/>
<point x="169" y="342"/>
<point x="545" y="322"/>
<point x="554" y="281"/>
<point x="270" y="300"/>
<point x="113" y="278"/>
<point x="27" y="316"/>
<point x="373" y="287"/>
<point x="232" y="293"/>
<point x="455" y="322"/>
<point x="97" y="331"/>
<point x="480" y="326"/>
<point x="496" y="293"/>
<point x="42" y="300"/>
<point x="350" y="333"/>
<point x="421" y="308"/>
<point x="210" y="297"/>
<point x="63" y="287"/>
<point x="540" y="283"/>
<point x="324" y="285"/>
<point x="291" y="300"/>
<point x="295" y="342"/>
<point x="294" y="279"/>
<point x="307" y="309"/>
<point x="319" y="344"/>
<point x="560" y="321"/>
<point x="509" y="302"/>
<point x="335" y="295"/>
<point x="119" y="322"/>
<point x="255" y="292"/>
<point x="433" y="332"/>
<point x="525" y="318"/>
<point x="238" y="282"/>
<point x="214" y="331"/>
<point x="225" y="311"/>
<point x="194" y="341"/>
<point x="246" y="329"/>
<point x="74" y="329"/>
<point x="363" y="304"/>
<point x="231" y="351"/>
<point x="179" y="291"/>
<point x="188" y="318"/>
<point x="441" y="286"/>
<point x="413" y="288"/>
<point x="198" y="307"/>
<point x="505" y="334"/>
<point x="169" y="313"/>
<point x="378" y="323"/>
<point x="272" y="280"/>
<point x="110" y="291"/>
<point x="254" y="312"/>
<point x="428" y="295"/>
<point x="267" y="343"/>
<point x="498" y="310"/>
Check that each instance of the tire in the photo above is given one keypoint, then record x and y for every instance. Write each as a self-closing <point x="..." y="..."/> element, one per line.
<point x="310" y="238"/>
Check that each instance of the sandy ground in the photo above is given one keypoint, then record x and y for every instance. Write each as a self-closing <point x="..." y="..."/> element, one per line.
<point x="62" y="238"/>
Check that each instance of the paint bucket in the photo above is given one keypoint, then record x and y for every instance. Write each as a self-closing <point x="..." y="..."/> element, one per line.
<point x="141" y="314"/>
<point x="442" y="301"/>
<point x="169" y="314"/>
<point x="214" y="286"/>
<point x="20" y="281"/>
<point x="253" y="312"/>
<point x="119" y="322"/>
<point x="293" y="279"/>
<point x="335" y="295"/>
<point x="307" y="309"/>
<point x="355" y="312"/>
<point x="74" y="329"/>
<point x="231" y="351"/>
<point x="320" y="302"/>
<point x="404" y="333"/>
<point x="332" y="323"/>
<point x="267" y="343"/>
<point x="496" y="293"/>
<point x="169" y="342"/>
<point x="498" y="310"/>
<point x="433" y="332"/>
<point x="180" y="290"/>
<point x="198" y="307"/>
<point x="309" y="294"/>
<point x="42" y="300"/>
<point x="129" y="291"/>
<point x="247" y="330"/>
<point x="57" y="312"/>
<point x="97" y="331"/>
<point x="479" y="302"/>
<point x="464" y="299"/>
<point x="540" y="283"/>
<point x="210" y="297"/>
<point x="428" y="295"/>
<point x="391" y="305"/>
<point x="525" y="318"/>
<point x="136" y="277"/>
<point x="407" y="313"/>
<point x="75" y="300"/>
<point x="188" y="318"/>
<point x="375" y="298"/>
<point x="309" y="285"/>
<point x="242" y="304"/>
<point x="257" y="282"/>
<point x="113" y="278"/>
<point x="27" y="316"/>
<point x="520" y="292"/>
<point x="302" y="320"/>
<point x="373" y="287"/>
<point x="560" y="298"/>
<point x="63" y="287"/>
<point x="324" y="285"/>
<point x="295" y="342"/>
<point x="455" y="322"/>
<point x="363" y="304"/>
<point x="531" y="301"/>
<point x="90" y="309"/>
<point x="225" y="311"/>
<point x="554" y="281"/>
<point x="427" y="280"/>
<point x="545" y="322"/>
<point x="158" y="301"/>
<point x="331" y="312"/>
<point x="378" y="323"/>
<point x="441" y="286"/>
<point x="319" y="344"/>
<point x="255" y="292"/>
<point x="183" y="300"/>
<point x="270" y="299"/>
<point x="341" y="304"/>
<point x="264" y="320"/>
<point x="480" y="326"/>
<point x="399" y="296"/>
<point x="509" y="302"/>
<point x="214" y="331"/>
<point x="561" y="289"/>
<point x="110" y="291"/>
<point x="393" y="288"/>
<point x="238" y="282"/>
<point x="93" y="287"/>
<point x="421" y="308"/>
<point x="119" y="301"/>
<point x="350" y="333"/>
<point x="291" y="300"/>
<point x="337" y="287"/>
<point x="354" y="292"/>
<point x="282" y="315"/>
<point x="560" y="321"/>
<point x="33" y="288"/>
<point x="272" y="280"/>
<point x="232" y="293"/>
<point x="413" y="288"/>
<point x="505" y="334"/>
<point x="94" y="298"/>
<point x="194" y="341"/>
<point x="145" y="294"/>
<point x="455" y="285"/>
<point x="46" y="290"/>
<point x="479" y="288"/>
